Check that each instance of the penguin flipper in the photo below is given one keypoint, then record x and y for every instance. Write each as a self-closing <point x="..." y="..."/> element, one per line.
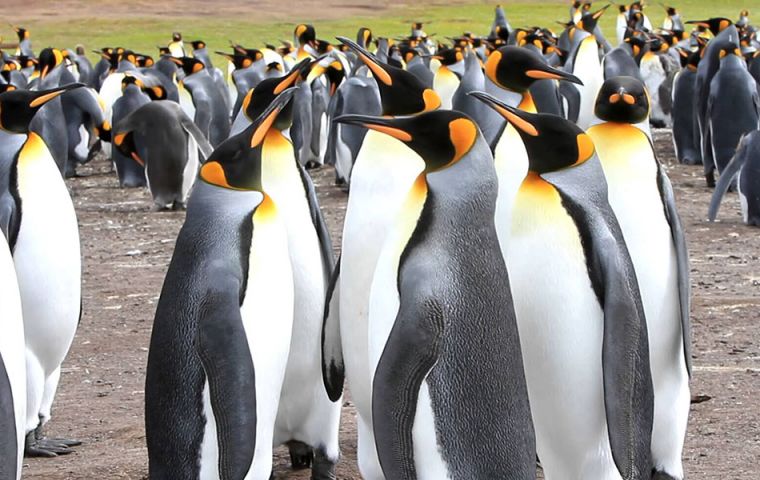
<point x="10" y="218"/>
<point x="200" y="139"/>
<point x="323" y="234"/>
<point x="724" y="182"/>
<point x="682" y="259"/>
<point x="333" y="369"/>
<point x="410" y="353"/>
<point x="628" y="389"/>
<point x="227" y="362"/>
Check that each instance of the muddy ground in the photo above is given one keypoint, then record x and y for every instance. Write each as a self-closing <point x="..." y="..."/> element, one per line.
<point x="127" y="249"/>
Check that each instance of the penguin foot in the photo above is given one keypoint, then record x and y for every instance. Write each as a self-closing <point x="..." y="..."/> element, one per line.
<point x="38" y="446"/>
<point x="657" y="475"/>
<point x="710" y="179"/>
<point x="301" y="455"/>
<point x="323" y="468"/>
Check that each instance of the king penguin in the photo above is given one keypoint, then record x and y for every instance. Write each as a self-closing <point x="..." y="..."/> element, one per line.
<point x="163" y="141"/>
<point x="581" y="321"/>
<point x="441" y="321"/>
<point x="642" y="198"/>
<point x="745" y="168"/>
<point x="221" y="335"/>
<point x="384" y="172"/>
<point x="307" y="419"/>
<point x="514" y="69"/>
<point x="588" y="68"/>
<point x="44" y="238"/>
<point x="685" y="143"/>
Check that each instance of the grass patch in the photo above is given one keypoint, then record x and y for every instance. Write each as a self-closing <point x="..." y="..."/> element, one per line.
<point x="144" y="34"/>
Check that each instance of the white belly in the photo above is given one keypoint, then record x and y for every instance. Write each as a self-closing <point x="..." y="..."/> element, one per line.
<point x="631" y="171"/>
<point x="190" y="171"/>
<point x="445" y="84"/>
<point x="511" y="162"/>
<point x="383" y="175"/>
<point x="12" y="344"/>
<point x="305" y="412"/>
<point x="47" y="257"/>
<point x="589" y="70"/>
<point x="561" y="327"/>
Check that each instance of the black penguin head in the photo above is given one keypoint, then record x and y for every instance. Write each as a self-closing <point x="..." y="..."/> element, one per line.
<point x="22" y="33"/>
<point x="253" y="53"/>
<point x="176" y="37"/>
<point x="401" y="92"/>
<point x="18" y="107"/>
<point x="729" y="49"/>
<point x="449" y="56"/>
<point x="514" y="68"/>
<point x="715" y="25"/>
<point x="305" y="35"/>
<point x="622" y="100"/>
<point x="189" y="65"/>
<point x="163" y="51"/>
<point x="260" y="98"/>
<point x="552" y="143"/>
<point x="364" y="37"/>
<point x="331" y="68"/>
<point x="238" y="60"/>
<point x="49" y="59"/>
<point x="234" y="164"/>
<point x="670" y="11"/>
<point x="198" y="44"/>
<point x="440" y="137"/>
<point x="589" y="21"/>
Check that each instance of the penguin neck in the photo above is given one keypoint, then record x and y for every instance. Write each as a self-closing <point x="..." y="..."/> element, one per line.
<point x="527" y="104"/>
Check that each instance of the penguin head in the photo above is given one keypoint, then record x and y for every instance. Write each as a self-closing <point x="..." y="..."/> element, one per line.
<point x="49" y="59"/>
<point x="364" y="37"/>
<point x="18" y="107"/>
<point x="330" y="67"/>
<point x="258" y="99"/>
<point x="622" y="100"/>
<point x="176" y="37"/>
<point x="729" y="48"/>
<point x="440" y="137"/>
<point x="164" y="51"/>
<point x="235" y="164"/>
<point x="27" y="62"/>
<point x="305" y="34"/>
<point x="22" y="33"/>
<point x="552" y="143"/>
<point x="715" y="25"/>
<point x="238" y="60"/>
<point x="198" y="44"/>
<point x="252" y="53"/>
<point x="670" y="11"/>
<point x="589" y="21"/>
<point x="514" y="68"/>
<point x="189" y="65"/>
<point x="401" y="92"/>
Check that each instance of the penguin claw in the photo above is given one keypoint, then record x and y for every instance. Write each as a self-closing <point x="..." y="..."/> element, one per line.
<point x="38" y="446"/>
<point x="301" y="455"/>
<point x="322" y="468"/>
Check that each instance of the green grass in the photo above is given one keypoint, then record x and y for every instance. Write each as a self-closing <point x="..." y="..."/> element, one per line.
<point x="144" y="34"/>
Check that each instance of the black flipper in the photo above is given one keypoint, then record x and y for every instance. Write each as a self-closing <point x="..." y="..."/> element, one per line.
<point x="333" y="369"/>
<point x="628" y="389"/>
<point x="410" y="353"/>
<point x="226" y="358"/>
<point x="8" y="441"/>
<point x="724" y="182"/>
<point x="192" y="129"/>
<point x="682" y="259"/>
<point x="325" y="242"/>
<point x="10" y="202"/>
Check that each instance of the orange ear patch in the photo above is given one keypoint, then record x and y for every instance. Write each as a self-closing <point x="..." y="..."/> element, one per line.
<point x="462" y="133"/>
<point x="585" y="148"/>
<point x="492" y="64"/>
<point x="213" y="173"/>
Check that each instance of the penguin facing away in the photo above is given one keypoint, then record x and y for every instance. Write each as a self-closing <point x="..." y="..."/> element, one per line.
<point x="641" y="196"/>
<point x="41" y="205"/>
<point x="685" y="143"/>
<point x="581" y="321"/>
<point x="228" y="294"/>
<point x="745" y="168"/>
<point x="440" y="319"/>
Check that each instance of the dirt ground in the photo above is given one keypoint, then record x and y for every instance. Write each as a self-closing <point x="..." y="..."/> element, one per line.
<point x="127" y="249"/>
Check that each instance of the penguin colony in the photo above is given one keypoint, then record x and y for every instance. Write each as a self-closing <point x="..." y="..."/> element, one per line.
<point x="513" y="284"/>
